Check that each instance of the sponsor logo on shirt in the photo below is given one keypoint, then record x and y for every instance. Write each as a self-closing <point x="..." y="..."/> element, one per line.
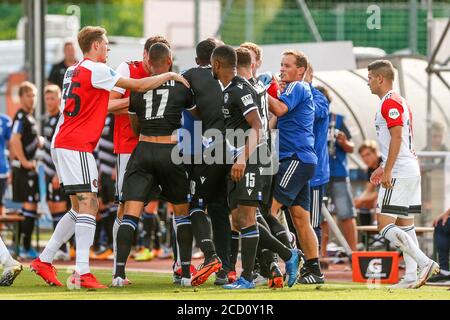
<point x="394" y="114"/>
<point x="247" y="99"/>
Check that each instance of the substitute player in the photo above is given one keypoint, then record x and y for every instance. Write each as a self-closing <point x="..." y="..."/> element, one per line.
<point x="84" y="107"/>
<point x="298" y="160"/>
<point x="23" y="147"/>
<point x="399" y="197"/>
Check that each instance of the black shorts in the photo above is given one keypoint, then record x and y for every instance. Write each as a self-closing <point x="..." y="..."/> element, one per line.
<point x="151" y="169"/>
<point x="208" y="184"/>
<point x="25" y="185"/>
<point x="254" y="187"/>
<point x="3" y="185"/>
<point x="107" y="188"/>
<point x="52" y="194"/>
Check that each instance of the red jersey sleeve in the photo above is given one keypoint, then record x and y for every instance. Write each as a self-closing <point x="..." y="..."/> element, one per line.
<point x="273" y="90"/>
<point x="392" y="112"/>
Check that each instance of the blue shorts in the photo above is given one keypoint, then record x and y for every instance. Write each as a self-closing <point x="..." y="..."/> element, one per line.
<point x="340" y="192"/>
<point x="292" y="182"/>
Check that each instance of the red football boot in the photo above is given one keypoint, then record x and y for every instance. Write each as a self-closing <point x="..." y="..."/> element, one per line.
<point x="46" y="271"/>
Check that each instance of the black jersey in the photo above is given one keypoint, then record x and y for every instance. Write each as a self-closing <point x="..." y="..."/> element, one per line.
<point x="239" y="99"/>
<point x="106" y="156"/>
<point x="208" y="97"/>
<point x="263" y="104"/>
<point x="159" y="110"/>
<point x="48" y="131"/>
<point x="25" y="124"/>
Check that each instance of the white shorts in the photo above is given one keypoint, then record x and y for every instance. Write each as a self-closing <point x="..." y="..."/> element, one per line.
<point x="121" y="166"/>
<point x="403" y="199"/>
<point x="76" y="170"/>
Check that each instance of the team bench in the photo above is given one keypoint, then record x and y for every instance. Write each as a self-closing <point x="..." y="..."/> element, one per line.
<point x="371" y="230"/>
<point x="11" y="220"/>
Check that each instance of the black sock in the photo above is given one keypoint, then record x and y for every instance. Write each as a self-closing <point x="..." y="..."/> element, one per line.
<point x="268" y="257"/>
<point x="27" y="227"/>
<point x="268" y="241"/>
<point x="124" y="241"/>
<point x="220" y="221"/>
<point x="234" y="249"/>
<point x="278" y="230"/>
<point x="157" y="234"/>
<point x="184" y="242"/>
<point x="149" y="224"/>
<point x="313" y="266"/>
<point x="249" y="244"/>
<point x="201" y="228"/>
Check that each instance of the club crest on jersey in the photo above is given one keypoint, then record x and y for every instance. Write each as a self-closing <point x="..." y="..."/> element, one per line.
<point x="247" y="99"/>
<point x="95" y="183"/>
<point x="202" y="179"/>
<point x="113" y="73"/>
<point x="394" y="114"/>
<point x="225" y="97"/>
<point x="249" y="191"/>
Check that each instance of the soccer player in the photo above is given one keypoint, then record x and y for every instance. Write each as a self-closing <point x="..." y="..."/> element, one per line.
<point x="23" y="146"/>
<point x="125" y="140"/>
<point x="247" y="142"/>
<point x="208" y="181"/>
<point x="298" y="159"/>
<point x="84" y="107"/>
<point x="56" y="198"/>
<point x="268" y="244"/>
<point x="399" y="197"/>
<point x="11" y="267"/>
<point x="156" y="116"/>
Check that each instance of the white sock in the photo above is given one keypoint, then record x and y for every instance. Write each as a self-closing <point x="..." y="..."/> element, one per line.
<point x="445" y="272"/>
<point x="411" y="264"/>
<point x="5" y="257"/>
<point x="403" y="241"/>
<point x="84" y="237"/>
<point x="116" y="226"/>
<point x="63" y="232"/>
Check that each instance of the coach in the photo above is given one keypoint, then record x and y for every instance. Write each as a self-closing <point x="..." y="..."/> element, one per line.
<point x="298" y="160"/>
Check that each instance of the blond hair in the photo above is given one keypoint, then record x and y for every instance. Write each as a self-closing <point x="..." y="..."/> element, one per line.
<point x="52" y="88"/>
<point x="254" y="48"/>
<point x="300" y="58"/>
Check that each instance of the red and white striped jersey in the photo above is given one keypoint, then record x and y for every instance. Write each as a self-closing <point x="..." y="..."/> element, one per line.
<point x="394" y="111"/>
<point x="84" y="105"/>
<point x="124" y="138"/>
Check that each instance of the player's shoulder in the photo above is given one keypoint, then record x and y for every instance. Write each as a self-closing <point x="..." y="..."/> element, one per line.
<point x="392" y="99"/>
<point x="20" y="114"/>
<point x="294" y="87"/>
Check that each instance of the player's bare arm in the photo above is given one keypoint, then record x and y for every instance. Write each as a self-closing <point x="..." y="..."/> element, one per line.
<point x="277" y="107"/>
<point x="394" y="148"/>
<point x="149" y="83"/>
<point x="134" y="121"/>
<point x="117" y="104"/>
<point x="17" y="151"/>
<point x="256" y="133"/>
<point x="344" y="143"/>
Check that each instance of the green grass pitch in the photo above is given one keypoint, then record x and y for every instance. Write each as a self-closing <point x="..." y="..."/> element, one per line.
<point x="159" y="286"/>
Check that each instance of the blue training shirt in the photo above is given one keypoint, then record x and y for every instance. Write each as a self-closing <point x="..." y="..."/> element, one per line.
<point x="321" y="119"/>
<point x="338" y="162"/>
<point x="295" y="128"/>
<point x="5" y="135"/>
